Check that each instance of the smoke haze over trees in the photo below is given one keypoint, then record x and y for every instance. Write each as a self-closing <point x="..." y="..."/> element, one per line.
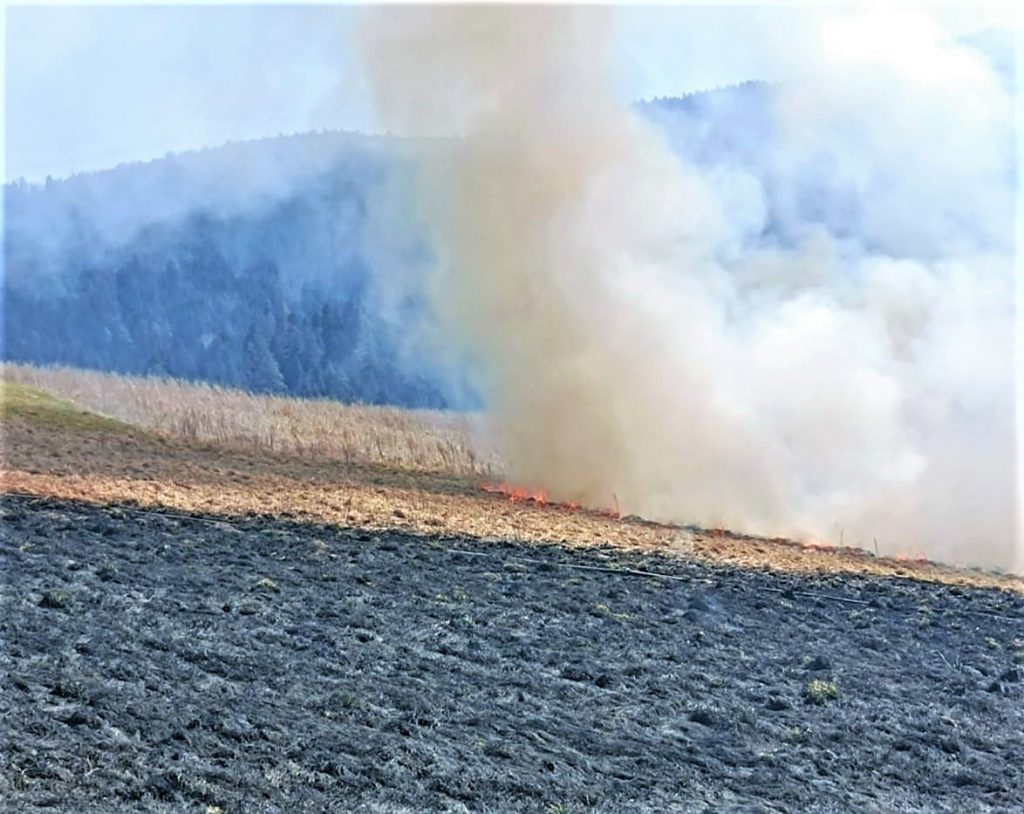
<point x="286" y="265"/>
<point x="248" y="266"/>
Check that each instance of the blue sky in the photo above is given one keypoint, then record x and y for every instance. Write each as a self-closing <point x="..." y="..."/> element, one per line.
<point x="88" y="87"/>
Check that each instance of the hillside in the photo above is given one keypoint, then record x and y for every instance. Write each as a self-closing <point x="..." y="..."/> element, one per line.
<point x="290" y="265"/>
<point x="247" y="266"/>
<point x="219" y="626"/>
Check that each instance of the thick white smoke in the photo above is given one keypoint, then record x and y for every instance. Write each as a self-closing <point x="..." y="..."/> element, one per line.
<point x="702" y="342"/>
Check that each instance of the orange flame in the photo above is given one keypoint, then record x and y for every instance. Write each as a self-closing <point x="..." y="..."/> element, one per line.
<point x="516" y="494"/>
<point x="916" y="556"/>
<point x="539" y="497"/>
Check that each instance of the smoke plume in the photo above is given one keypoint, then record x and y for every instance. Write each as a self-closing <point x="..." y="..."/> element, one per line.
<point x="813" y="339"/>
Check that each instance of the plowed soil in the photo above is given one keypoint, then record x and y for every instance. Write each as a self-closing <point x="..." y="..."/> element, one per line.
<point x="172" y="663"/>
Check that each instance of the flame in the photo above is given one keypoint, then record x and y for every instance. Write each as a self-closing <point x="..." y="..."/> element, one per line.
<point x="540" y="497"/>
<point x="516" y="494"/>
<point x="915" y="555"/>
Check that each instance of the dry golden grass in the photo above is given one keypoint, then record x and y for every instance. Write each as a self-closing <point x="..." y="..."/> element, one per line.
<point x="52" y="448"/>
<point x="430" y="440"/>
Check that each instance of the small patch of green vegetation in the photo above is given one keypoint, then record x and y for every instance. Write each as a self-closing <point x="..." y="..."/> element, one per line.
<point x="457" y="595"/>
<point x="819" y="691"/>
<point x="21" y="779"/>
<point x="349" y="701"/>
<point x="266" y="584"/>
<point x="557" y="808"/>
<point x="39" y="408"/>
<point x="601" y="609"/>
<point x="55" y="599"/>
<point x="991" y="643"/>
<point x="797" y="734"/>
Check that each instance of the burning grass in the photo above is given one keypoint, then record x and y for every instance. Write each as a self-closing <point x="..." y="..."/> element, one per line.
<point x="388" y="479"/>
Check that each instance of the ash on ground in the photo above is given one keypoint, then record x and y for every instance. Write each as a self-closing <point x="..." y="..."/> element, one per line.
<point x="169" y="663"/>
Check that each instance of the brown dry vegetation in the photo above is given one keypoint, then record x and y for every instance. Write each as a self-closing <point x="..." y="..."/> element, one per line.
<point x="354" y="433"/>
<point x="386" y="478"/>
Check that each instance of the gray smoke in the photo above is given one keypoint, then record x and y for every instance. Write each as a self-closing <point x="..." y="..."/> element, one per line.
<point x="709" y="343"/>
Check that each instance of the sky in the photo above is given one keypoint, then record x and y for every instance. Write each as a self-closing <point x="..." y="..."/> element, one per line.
<point x="88" y="87"/>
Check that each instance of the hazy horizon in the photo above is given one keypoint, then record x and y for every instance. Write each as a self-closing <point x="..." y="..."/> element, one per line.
<point x="91" y="87"/>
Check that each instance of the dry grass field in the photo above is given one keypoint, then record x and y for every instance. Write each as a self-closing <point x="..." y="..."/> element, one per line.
<point x="413" y="439"/>
<point x="193" y="448"/>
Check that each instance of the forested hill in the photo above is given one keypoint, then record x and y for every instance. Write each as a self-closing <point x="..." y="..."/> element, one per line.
<point x="281" y="265"/>
<point x="250" y="265"/>
<point x="292" y="264"/>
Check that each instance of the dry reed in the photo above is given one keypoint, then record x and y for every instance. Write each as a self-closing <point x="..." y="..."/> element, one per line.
<point x="432" y="440"/>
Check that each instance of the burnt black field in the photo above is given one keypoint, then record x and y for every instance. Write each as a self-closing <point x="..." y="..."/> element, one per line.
<point x="165" y="663"/>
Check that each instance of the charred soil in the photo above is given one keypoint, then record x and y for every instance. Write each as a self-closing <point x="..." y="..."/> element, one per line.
<point x="160" y="661"/>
